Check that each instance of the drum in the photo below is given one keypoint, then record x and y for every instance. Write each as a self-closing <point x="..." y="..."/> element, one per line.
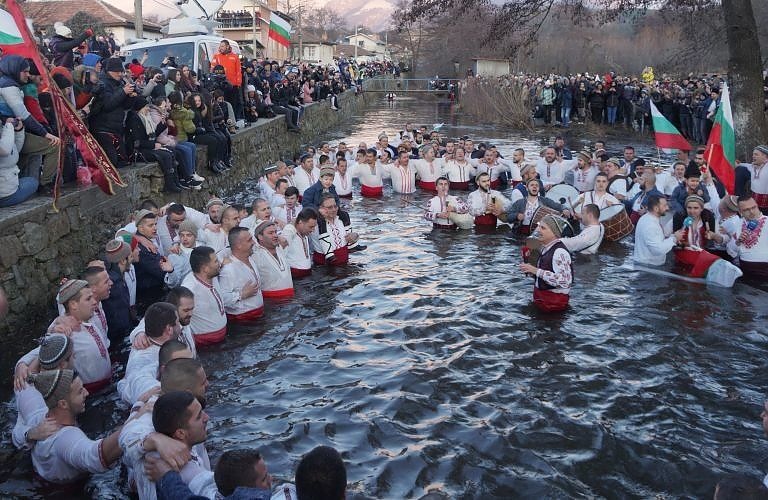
<point x="564" y="194"/>
<point x="616" y="221"/>
<point x="540" y="213"/>
<point x="462" y="221"/>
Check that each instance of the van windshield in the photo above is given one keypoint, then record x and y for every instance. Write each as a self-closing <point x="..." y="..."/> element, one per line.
<point x="182" y="52"/>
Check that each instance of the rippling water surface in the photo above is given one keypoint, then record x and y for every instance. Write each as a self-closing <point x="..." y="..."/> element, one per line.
<point x="425" y="364"/>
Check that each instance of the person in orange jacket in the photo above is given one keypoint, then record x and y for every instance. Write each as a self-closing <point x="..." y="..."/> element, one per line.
<point x="234" y="73"/>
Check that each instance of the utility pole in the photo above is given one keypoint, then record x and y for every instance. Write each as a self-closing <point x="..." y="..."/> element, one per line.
<point x="139" y="21"/>
<point x="255" y="39"/>
<point x="357" y="30"/>
<point x="301" y="34"/>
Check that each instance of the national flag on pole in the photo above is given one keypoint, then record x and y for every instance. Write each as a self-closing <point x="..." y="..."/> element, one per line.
<point x="666" y="135"/>
<point x="16" y="38"/>
<point x="279" y="30"/>
<point x="11" y="38"/>
<point x="721" y="145"/>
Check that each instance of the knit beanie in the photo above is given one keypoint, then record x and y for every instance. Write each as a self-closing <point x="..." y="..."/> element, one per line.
<point x="69" y="289"/>
<point x="53" y="385"/>
<point x="555" y="223"/>
<point x="53" y="349"/>
<point x="117" y="250"/>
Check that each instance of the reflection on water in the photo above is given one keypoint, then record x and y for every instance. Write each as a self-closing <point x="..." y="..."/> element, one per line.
<point x="426" y="365"/>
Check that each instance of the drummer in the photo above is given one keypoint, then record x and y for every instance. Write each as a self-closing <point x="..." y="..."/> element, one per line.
<point x="584" y="172"/>
<point x="617" y="183"/>
<point x="438" y="209"/>
<point x="553" y="272"/>
<point x="522" y="211"/>
<point x="482" y="201"/>
<point x="599" y="196"/>
<point x="592" y="231"/>
<point x="527" y="173"/>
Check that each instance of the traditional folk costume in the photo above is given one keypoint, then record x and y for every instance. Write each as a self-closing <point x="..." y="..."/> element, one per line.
<point x="550" y="173"/>
<point x="459" y="174"/>
<point x="371" y="184"/>
<point x="403" y="178"/>
<point x="652" y="242"/>
<point x="587" y="241"/>
<point x="298" y="252"/>
<point x="759" y="185"/>
<point x="528" y="208"/>
<point x="494" y="172"/>
<point x="438" y="205"/>
<point x="304" y="179"/>
<point x="428" y="172"/>
<point x="233" y="277"/>
<point x="478" y="202"/>
<point x="554" y="277"/>
<point x="275" y="273"/>
<point x="209" y="319"/>
<point x="343" y="183"/>
<point x="329" y="241"/>
<point x="753" y="249"/>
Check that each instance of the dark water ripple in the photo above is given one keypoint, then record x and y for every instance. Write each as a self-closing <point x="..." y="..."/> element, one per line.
<point x="425" y="364"/>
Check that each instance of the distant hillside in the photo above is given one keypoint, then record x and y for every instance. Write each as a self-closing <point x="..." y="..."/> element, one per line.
<point x="374" y="14"/>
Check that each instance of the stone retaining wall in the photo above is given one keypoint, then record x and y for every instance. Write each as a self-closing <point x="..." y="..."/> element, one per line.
<point x="38" y="247"/>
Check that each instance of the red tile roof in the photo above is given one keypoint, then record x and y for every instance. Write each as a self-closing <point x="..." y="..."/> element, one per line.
<point x="45" y="13"/>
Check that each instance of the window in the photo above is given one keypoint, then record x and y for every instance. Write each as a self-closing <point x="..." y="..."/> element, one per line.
<point x="203" y="61"/>
<point x="309" y="52"/>
<point x="360" y="43"/>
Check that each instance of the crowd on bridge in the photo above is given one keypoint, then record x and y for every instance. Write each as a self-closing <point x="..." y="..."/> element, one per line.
<point x="613" y="99"/>
<point x="175" y="279"/>
<point x="140" y="113"/>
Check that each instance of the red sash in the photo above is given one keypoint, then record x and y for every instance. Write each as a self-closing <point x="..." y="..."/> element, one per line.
<point x="210" y="338"/>
<point x="371" y="192"/>
<point x="246" y="316"/>
<point x="285" y="293"/>
<point x="460" y="186"/>
<point x="686" y="257"/>
<point x="495" y="184"/>
<point x="549" y="301"/>
<point x="94" y="387"/>
<point x="341" y="257"/>
<point x="349" y="195"/>
<point x="634" y="217"/>
<point x="515" y="183"/>
<point x="300" y="273"/>
<point x="427" y="186"/>
<point x="446" y="227"/>
<point x="485" y="220"/>
<point x="524" y="229"/>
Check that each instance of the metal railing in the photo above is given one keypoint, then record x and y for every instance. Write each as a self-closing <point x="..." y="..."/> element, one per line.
<point x="403" y="85"/>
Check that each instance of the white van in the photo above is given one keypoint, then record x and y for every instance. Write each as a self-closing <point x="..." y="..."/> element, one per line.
<point x="194" y="51"/>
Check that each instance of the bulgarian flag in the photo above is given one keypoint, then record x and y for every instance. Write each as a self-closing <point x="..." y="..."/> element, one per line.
<point x="279" y="30"/>
<point x="11" y="38"/>
<point x="666" y="135"/>
<point x="721" y="145"/>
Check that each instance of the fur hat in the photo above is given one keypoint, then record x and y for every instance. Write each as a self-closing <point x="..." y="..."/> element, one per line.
<point x="557" y="224"/>
<point x="117" y="250"/>
<point x="327" y="171"/>
<point x="53" y="349"/>
<point x="188" y="227"/>
<point x="113" y="64"/>
<point x="53" y="385"/>
<point x="70" y="289"/>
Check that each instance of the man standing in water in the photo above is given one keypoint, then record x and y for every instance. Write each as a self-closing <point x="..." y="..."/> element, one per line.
<point x="438" y="209"/>
<point x="651" y="243"/>
<point x="553" y="273"/>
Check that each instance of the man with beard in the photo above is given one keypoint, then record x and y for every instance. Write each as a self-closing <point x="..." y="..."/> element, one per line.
<point x="239" y="280"/>
<point x="331" y="239"/>
<point x="651" y="241"/>
<point x="168" y="225"/>
<point x="550" y="168"/>
<point x="521" y="212"/>
<point x="209" y="319"/>
<point x="483" y="200"/>
<point x="402" y="174"/>
<point x="438" y="209"/>
<point x="184" y="301"/>
<point x="273" y="267"/>
<point x="458" y="170"/>
<point x="584" y="172"/>
<point x="751" y="243"/>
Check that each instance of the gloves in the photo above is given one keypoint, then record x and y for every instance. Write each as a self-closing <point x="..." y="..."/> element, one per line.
<point x="89" y="32"/>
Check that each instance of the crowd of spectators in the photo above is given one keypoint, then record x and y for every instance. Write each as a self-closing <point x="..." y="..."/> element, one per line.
<point x="141" y="113"/>
<point x="234" y="18"/>
<point x="689" y="102"/>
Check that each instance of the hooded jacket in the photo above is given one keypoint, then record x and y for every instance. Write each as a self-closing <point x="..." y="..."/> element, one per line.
<point x="11" y="95"/>
<point x="62" y="49"/>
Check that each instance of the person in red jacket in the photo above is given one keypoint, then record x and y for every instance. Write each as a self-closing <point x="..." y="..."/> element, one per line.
<point x="234" y="73"/>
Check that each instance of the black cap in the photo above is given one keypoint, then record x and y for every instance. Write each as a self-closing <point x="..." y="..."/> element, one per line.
<point x="114" y="64"/>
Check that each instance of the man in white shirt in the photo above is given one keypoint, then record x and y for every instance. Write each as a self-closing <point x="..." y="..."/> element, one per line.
<point x="617" y="183"/>
<point x="307" y="174"/>
<point x="651" y="241"/>
<point x="272" y="263"/>
<point x="482" y="200"/>
<point x="209" y="319"/>
<point x="430" y="168"/>
<point x="342" y="179"/>
<point x="295" y="240"/>
<point x="584" y="172"/>
<point x="239" y="279"/>
<point x="168" y="225"/>
<point x="402" y="173"/>
<point x="219" y="240"/>
<point x="268" y="183"/>
<point x="588" y="240"/>
<point x="550" y="168"/>
<point x="68" y="454"/>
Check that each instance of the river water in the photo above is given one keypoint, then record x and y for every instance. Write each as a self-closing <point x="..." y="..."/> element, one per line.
<point x="425" y="364"/>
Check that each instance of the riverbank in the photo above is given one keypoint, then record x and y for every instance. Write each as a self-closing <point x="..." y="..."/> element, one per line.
<point x="39" y="246"/>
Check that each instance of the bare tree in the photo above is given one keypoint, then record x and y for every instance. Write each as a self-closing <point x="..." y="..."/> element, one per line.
<point x="517" y="24"/>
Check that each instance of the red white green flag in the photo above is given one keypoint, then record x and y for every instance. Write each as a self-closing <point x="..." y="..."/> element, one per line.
<point x="279" y="30"/>
<point x="11" y="37"/>
<point x="666" y="135"/>
<point x="721" y="145"/>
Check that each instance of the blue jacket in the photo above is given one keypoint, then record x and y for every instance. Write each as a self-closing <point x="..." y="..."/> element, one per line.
<point x="677" y="200"/>
<point x="653" y="192"/>
<point x="172" y="487"/>
<point x="313" y="194"/>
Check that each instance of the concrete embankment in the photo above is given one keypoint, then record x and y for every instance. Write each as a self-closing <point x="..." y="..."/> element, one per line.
<point x="38" y="247"/>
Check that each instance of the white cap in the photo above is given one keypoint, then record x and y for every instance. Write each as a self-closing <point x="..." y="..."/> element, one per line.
<point x="62" y="30"/>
